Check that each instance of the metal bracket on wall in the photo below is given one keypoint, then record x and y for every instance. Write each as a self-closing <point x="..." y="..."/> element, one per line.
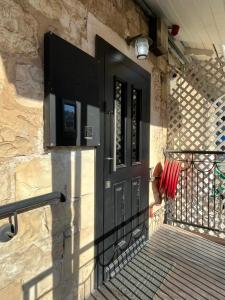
<point x="13" y="220"/>
<point x="8" y="231"/>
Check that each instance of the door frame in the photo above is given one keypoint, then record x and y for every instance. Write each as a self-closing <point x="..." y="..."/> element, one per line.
<point x="103" y="47"/>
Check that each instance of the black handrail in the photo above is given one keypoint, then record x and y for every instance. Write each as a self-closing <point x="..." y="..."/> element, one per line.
<point x="9" y="210"/>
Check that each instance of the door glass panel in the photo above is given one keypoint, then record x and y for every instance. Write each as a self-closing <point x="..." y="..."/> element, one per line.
<point x="135" y="126"/>
<point x="119" y="110"/>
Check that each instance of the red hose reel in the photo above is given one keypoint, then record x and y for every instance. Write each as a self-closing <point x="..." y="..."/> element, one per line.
<point x="169" y="179"/>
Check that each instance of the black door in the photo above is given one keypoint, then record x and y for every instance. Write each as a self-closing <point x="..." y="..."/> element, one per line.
<point x="123" y="158"/>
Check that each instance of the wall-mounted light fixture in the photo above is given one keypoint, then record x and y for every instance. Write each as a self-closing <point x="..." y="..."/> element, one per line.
<point x="141" y="44"/>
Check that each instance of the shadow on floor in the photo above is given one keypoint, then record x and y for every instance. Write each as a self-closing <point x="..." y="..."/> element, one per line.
<point x="174" y="264"/>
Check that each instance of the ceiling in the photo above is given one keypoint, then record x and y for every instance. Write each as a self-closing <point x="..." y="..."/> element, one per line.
<point x="202" y="22"/>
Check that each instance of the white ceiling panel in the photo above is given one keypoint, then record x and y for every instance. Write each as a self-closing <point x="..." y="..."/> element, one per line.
<point x="202" y="22"/>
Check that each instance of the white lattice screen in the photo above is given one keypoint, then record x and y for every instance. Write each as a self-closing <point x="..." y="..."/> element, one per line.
<point x="197" y="107"/>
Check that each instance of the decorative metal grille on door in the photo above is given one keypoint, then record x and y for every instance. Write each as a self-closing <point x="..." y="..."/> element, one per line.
<point x="119" y="120"/>
<point x="135" y="119"/>
<point x="197" y="107"/>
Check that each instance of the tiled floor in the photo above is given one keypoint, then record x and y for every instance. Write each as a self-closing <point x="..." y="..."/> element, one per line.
<point x="174" y="264"/>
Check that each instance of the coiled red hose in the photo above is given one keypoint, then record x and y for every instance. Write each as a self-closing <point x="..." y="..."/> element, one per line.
<point x="169" y="178"/>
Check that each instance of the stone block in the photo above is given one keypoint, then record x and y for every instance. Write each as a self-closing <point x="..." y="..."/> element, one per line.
<point x="33" y="178"/>
<point x="7" y="183"/>
<point x="42" y="285"/>
<point x="29" y="85"/>
<point x="86" y="255"/>
<point x="70" y="266"/>
<point x="18" y="34"/>
<point x="82" y="172"/>
<point x="61" y="172"/>
<point x="69" y="289"/>
<point x="86" y="280"/>
<point x="26" y="262"/>
<point x="108" y="13"/>
<point x="12" y="291"/>
<point x="32" y="226"/>
<point x="86" y="237"/>
<point x="19" y="126"/>
<point x="49" y="8"/>
<point x="56" y="218"/>
<point x="76" y="20"/>
<point x="87" y="211"/>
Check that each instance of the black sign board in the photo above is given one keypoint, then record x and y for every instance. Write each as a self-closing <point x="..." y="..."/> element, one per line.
<point x="71" y="94"/>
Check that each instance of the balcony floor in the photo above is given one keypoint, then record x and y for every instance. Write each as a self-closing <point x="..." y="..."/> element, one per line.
<point x="174" y="264"/>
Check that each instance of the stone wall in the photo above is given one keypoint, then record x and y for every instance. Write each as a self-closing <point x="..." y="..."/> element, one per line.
<point x="50" y="258"/>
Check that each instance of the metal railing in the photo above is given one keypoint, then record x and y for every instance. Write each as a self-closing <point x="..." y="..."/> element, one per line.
<point x="22" y="206"/>
<point x="200" y="199"/>
<point x="11" y="210"/>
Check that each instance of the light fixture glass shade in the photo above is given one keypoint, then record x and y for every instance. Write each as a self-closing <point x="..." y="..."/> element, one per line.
<point x="141" y="47"/>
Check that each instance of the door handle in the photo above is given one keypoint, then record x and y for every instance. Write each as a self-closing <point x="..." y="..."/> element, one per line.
<point x="114" y="140"/>
<point x="108" y="158"/>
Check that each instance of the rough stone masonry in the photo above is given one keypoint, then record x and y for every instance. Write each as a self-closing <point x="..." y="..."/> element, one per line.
<point x="52" y="255"/>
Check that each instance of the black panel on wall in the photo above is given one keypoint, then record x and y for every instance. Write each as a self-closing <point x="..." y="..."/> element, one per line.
<point x="71" y="94"/>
